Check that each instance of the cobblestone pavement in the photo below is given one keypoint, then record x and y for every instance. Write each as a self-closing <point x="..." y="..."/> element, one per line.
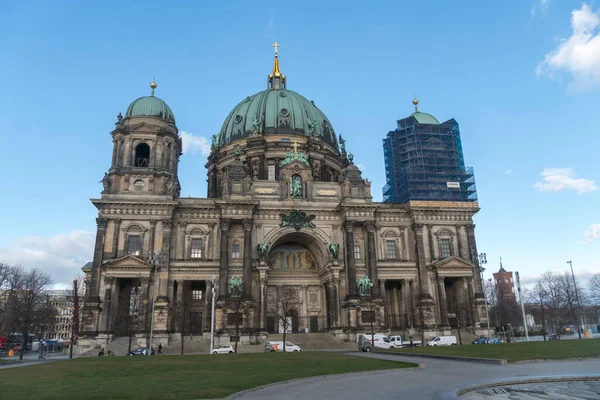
<point x="582" y="390"/>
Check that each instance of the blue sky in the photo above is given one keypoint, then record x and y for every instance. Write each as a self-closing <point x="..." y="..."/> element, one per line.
<point x="521" y="77"/>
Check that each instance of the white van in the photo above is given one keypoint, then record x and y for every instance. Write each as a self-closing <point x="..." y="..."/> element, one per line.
<point x="278" y="346"/>
<point x="381" y="342"/>
<point x="442" y="341"/>
<point x="396" y="341"/>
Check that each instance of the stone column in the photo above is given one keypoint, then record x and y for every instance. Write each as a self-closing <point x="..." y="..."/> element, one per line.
<point x="108" y="308"/>
<point x="152" y="236"/>
<point x="263" y="303"/>
<point x="443" y="304"/>
<point x="305" y="305"/>
<point x="224" y="261"/>
<point x="472" y="300"/>
<point x="372" y="258"/>
<point x="165" y="262"/>
<point x="116" y="234"/>
<point x="351" y="264"/>
<point x="410" y="304"/>
<point x="396" y="300"/>
<point x="181" y="241"/>
<point x="114" y="153"/>
<point x="421" y="262"/>
<point x="330" y="298"/>
<point x="94" y="293"/>
<point x="336" y="301"/>
<point x="430" y="241"/>
<point x="129" y="153"/>
<point x="474" y="259"/>
<point x="463" y="248"/>
<point x="247" y="286"/>
<point x="173" y="310"/>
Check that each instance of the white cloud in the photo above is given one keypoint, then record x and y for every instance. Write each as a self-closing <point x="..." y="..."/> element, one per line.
<point x="578" y="55"/>
<point x="508" y="172"/>
<point x="192" y="143"/>
<point x="592" y="233"/>
<point x="61" y="256"/>
<point x="559" y="179"/>
<point x="544" y="2"/>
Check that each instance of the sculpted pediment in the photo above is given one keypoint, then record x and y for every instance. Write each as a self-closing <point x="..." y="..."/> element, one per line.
<point x="126" y="262"/>
<point x="453" y="262"/>
<point x="144" y="126"/>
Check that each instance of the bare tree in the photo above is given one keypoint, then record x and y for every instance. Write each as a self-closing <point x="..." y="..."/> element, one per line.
<point x="183" y="309"/>
<point x="29" y="306"/>
<point x="76" y="295"/>
<point x="463" y="314"/>
<point x="539" y="297"/>
<point x="555" y="300"/>
<point x="134" y="318"/>
<point x="240" y="312"/>
<point x="567" y="285"/>
<point x="594" y="290"/>
<point x="288" y="303"/>
<point x="6" y="271"/>
<point x="423" y="313"/>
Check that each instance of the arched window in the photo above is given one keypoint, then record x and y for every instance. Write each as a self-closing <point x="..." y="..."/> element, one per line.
<point x="142" y="155"/>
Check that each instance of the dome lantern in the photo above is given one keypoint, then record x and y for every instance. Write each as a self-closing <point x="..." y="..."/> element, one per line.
<point x="276" y="78"/>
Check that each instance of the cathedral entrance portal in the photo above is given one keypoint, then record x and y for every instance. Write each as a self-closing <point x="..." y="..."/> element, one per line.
<point x="295" y="292"/>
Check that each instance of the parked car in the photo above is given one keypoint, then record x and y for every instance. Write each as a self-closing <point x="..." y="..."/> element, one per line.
<point x="140" y="351"/>
<point x="553" y="337"/>
<point x="223" y="349"/>
<point x="481" y="340"/>
<point x="272" y="346"/>
<point x="442" y="341"/>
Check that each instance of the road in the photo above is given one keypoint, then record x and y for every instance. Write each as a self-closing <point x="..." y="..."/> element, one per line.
<point x="440" y="379"/>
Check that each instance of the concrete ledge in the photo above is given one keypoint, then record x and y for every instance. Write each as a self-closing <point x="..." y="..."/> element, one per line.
<point x="577" y="378"/>
<point x="492" y="361"/>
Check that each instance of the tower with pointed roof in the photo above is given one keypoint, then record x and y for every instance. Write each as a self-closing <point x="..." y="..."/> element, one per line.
<point x="505" y="289"/>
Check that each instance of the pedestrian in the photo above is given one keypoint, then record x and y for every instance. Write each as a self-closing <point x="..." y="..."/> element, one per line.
<point x="411" y="342"/>
<point x="101" y="353"/>
<point x="160" y="349"/>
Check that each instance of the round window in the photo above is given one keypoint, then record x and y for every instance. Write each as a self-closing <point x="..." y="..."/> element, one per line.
<point x="282" y="94"/>
<point x="238" y="119"/>
<point x="284" y="112"/>
<point x="139" y="184"/>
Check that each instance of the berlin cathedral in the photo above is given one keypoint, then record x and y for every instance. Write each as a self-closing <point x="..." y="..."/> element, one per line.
<point x="286" y="208"/>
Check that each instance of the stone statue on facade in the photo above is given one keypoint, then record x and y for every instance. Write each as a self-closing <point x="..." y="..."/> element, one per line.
<point x="334" y="248"/>
<point x="342" y="146"/>
<point x="347" y="187"/>
<point x="296" y="186"/>
<point x="225" y="184"/>
<point x="367" y="188"/>
<point x="262" y="249"/>
<point x="106" y="183"/>
<point x="172" y="186"/>
<point x="214" y="144"/>
<point x="257" y="126"/>
<point x="234" y="286"/>
<point x="248" y="184"/>
<point x="364" y="286"/>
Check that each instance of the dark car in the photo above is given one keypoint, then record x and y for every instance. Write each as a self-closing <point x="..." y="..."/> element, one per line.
<point x="140" y="351"/>
<point x="481" y="340"/>
<point x="552" y="337"/>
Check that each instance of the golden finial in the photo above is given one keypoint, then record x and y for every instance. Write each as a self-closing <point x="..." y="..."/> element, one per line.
<point x="295" y="146"/>
<point x="416" y="103"/>
<point x="153" y="86"/>
<point x="276" y="78"/>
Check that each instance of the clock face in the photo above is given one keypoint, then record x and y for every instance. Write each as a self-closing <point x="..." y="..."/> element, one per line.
<point x="139" y="184"/>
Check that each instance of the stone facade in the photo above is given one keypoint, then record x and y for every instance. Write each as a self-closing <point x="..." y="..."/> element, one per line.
<point x="279" y="205"/>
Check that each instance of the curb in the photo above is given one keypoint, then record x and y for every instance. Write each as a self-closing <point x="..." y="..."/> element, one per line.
<point x="579" y="378"/>
<point x="492" y="361"/>
<point x="314" y="378"/>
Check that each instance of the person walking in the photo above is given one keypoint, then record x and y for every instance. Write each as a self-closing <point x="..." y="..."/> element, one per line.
<point x="160" y="349"/>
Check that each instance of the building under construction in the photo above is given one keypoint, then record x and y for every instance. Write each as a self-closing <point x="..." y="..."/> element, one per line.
<point x="424" y="161"/>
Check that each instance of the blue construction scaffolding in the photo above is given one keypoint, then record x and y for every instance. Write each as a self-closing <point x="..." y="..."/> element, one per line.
<point x="424" y="161"/>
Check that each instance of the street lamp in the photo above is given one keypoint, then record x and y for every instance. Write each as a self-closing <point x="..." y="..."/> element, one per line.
<point x="154" y="259"/>
<point x="576" y="297"/>
<point x="482" y="258"/>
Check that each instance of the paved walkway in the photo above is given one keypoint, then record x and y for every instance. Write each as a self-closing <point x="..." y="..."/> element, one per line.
<point x="440" y="379"/>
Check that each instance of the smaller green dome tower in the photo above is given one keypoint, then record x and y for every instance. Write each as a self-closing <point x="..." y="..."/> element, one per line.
<point x="150" y="106"/>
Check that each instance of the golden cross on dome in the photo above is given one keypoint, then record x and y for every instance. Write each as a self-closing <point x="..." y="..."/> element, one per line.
<point x="276" y="45"/>
<point x="295" y="146"/>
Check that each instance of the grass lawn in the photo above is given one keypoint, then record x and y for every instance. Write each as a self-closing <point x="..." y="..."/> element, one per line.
<point x="512" y="352"/>
<point x="173" y="377"/>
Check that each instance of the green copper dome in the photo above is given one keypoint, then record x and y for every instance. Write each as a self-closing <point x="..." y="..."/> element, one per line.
<point x="276" y="111"/>
<point x="149" y="106"/>
<point x="424" y="118"/>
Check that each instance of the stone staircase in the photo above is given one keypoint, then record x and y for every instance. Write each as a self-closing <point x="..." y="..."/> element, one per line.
<point x="314" y="341"/>
<point x="191" y="345"/>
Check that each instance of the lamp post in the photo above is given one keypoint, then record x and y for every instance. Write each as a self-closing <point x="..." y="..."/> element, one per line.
<point x="213" y="284"/>
<point x="522" y="306"/>
<point x="482" y="258"/>
<point x="154" y="259"/>
<point x="576" y="297"/>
